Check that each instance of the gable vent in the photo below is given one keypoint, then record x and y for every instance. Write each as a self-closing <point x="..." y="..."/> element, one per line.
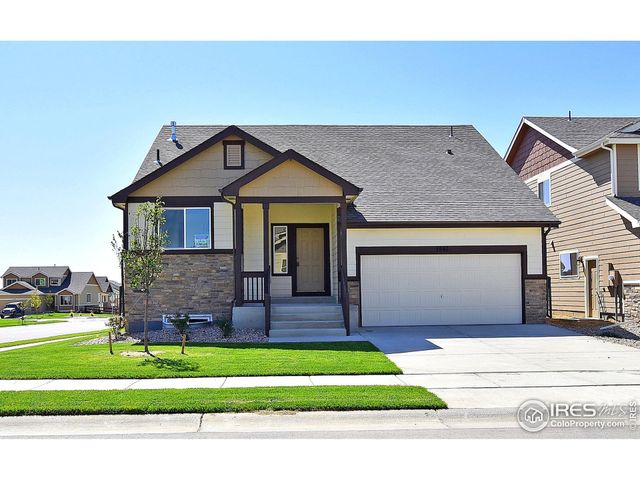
<point x="233" y="154"/>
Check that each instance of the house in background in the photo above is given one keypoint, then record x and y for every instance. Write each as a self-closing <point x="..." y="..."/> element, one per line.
<point x="320" y="229"/>
<point x="585" y="169"/>
<point x="110" y="294"/>
<point x="77" y="291"/>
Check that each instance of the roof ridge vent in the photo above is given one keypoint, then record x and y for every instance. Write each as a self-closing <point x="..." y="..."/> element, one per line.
<point x="451" y="131"/>
<point x="569" y="115"/>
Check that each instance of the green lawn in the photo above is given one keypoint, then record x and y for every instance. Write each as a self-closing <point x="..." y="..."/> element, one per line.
<point x="66" y="315"/>
<point x="14" y="322"/>
<point x="56" y="337"/>
<point x="217" y="400"/>
<point x="64" y="360"/>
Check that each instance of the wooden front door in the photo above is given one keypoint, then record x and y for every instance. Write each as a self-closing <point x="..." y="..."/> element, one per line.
<point x="310" y="260"/>
<point x="592" y="288"/>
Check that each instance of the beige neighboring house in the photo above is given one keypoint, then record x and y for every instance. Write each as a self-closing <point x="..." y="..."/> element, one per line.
<point x="77" y="291"/>
<point x="110" y="295"/>
<point x="585" y="169"/>
<point x="324" y="229"/>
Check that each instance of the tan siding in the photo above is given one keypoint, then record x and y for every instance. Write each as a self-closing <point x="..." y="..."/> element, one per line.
<point x="222" y="225"/>
<point x="203" y="174"/>
<point x="627" y="157"/>
<point x="588" y="225"/>
<point x="290" y="179"/>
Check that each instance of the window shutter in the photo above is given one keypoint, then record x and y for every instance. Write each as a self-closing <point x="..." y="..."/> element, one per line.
<point x="234" y="155"/>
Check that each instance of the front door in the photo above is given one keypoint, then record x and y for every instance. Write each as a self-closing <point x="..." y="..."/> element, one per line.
<point x="310" y="261"/>
<point x="592" y="286"/>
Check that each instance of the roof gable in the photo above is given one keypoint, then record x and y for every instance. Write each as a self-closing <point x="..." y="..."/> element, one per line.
<point x="234" y="187"/>
<point x="232" y="130"/>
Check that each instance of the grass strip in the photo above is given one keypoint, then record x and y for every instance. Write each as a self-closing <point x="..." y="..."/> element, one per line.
<point x="16" y="322"/>
<point x="65" y="360"/>
<point x="56" y="337"/>
<point x="91" y="402"/>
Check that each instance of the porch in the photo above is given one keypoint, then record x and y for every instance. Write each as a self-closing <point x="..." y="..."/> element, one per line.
<point x="288" y="264"/>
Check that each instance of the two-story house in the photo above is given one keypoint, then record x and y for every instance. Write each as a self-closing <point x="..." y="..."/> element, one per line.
<point x="585" y="169"/>
<point x="321" y="229"/>
<point x="77" y="291"/>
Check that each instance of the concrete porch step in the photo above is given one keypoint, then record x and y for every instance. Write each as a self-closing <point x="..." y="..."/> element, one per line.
<point x="306" y="309"/>
<point x="307" y="332"/>
<point x="278" y="324"/>
<point x="302" y="300"/>
<point x="304" y="316"/>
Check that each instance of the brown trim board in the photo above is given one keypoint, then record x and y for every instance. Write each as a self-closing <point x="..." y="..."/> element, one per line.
<point x="224" y="150"/>
<point x="233" y="188"/>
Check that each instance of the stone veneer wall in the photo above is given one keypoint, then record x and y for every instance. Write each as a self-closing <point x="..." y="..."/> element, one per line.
<point x="354" y="292"/>
<point x="535" y="300"/>
<point x="632" y="303"/>
<point x="193" y="283"/>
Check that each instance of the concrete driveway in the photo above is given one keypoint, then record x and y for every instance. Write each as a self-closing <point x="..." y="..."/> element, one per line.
<point x="74" y="325"/>
<point x="504" y="365"/>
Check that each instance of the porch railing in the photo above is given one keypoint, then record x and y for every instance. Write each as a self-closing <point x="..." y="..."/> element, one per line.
<point x="252" y="287"/>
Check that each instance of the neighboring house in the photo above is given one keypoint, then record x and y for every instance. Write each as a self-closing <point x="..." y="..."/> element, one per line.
<point x="78" y="291"/>
<point x="286" y="225"/>
<point x="109" y="295"/>
<point x="586" y="170"/>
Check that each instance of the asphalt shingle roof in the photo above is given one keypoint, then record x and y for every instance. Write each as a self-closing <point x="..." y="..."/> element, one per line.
<point x="583" y="131"/>
<point x="28" y="272"/>
<point x="631" y="205"/>
<point x="405" y="171"/>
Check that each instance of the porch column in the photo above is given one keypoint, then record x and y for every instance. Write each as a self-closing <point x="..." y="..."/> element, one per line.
<point x="342" y="245"/>
<point x="266" y="254"/>
<point x="237" y="254"/>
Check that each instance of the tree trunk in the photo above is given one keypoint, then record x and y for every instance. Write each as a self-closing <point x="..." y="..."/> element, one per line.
<point x="184" y="340"/>
<point x="110" y="345"/>
<point x="145" y="323"/>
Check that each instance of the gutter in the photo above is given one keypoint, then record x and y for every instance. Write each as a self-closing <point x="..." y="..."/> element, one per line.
<point x="614" y="166"/>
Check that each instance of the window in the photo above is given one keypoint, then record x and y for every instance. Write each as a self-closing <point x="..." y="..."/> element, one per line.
<point x="88" y="298"/>
<point x="194" y="318"/>
<point x="568" y="264"/>
<point x="187" y="228"/>
<point x="233" y="154"/>
<point x="280" y="250"/>
<point x="544" y="191"/>
<point x="40" y="282"/>
<point x="65" y="300"/>
<point x="54" y="282"/>
<point x="9" y="281"/>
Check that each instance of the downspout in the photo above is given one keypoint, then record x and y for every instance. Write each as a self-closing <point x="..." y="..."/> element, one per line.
<point x="233" y="302"/>
<point x="614" y="168"/>
<point x="545" y="232"/>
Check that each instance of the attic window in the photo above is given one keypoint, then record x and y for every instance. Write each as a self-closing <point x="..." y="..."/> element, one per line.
<point x="233" y="154"/>
<point x="54" y="282"/>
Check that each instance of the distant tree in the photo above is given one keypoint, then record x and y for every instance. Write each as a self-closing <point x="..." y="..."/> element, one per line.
<point x="36" y="301"/>
<point x="49" y="301"/>
<point x="181" y="324"/>
<point x="141" y="254"/>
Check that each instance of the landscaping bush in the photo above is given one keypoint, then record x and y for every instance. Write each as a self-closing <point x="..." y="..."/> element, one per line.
<point x="181" y="324"/>
<point x="226" y="326"/>
<point x="116" y="324"/>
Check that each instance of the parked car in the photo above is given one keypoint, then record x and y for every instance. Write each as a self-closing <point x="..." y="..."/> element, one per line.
<point x="12" y="310"/>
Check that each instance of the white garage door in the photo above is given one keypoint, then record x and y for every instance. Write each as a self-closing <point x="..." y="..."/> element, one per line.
<point x="399" y="290"/>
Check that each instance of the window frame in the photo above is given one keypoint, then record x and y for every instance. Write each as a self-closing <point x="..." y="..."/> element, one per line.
<point x="273" y="251"/>
<point x="51" y="280"/>
<point x="35" y="282"/>
<point x="225" y="144"/>
<point x="184" y="230"/>
<point x="541" y="181"/>
<point x="570" y="277"/>
<point x="10" y="281"/>
<point x="88" y="298"/>
<point x="70" y="304"/>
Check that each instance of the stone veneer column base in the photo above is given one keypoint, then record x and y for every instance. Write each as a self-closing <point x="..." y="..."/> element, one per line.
<point x="535" y="300"/>
<point x="190" y="283"/>
<point x="632" y="303"/>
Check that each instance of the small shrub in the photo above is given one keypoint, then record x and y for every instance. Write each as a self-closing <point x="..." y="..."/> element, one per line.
<point x="116" y="324"/>
<point x="71" y="313"/>
<point x="91" y="314"/>
<point x="181" y="324"/>
<point x="226" y="326"/>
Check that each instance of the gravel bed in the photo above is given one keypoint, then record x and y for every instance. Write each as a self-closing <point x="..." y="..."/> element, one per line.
<point x="206" y="334"/>
<point x="105" y="340"/>
<point x="627" y="333"/>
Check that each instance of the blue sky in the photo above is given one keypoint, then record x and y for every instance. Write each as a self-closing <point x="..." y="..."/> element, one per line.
<point x="77" y="118"/>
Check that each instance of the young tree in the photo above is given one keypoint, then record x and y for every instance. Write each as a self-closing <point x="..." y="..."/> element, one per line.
<point x="181" y="324"/>
<point x="140" y="252"/>
<point x="36" y="301"/>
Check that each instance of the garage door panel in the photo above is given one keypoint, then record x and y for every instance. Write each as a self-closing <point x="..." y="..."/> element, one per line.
<point x="440" y="289"/>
